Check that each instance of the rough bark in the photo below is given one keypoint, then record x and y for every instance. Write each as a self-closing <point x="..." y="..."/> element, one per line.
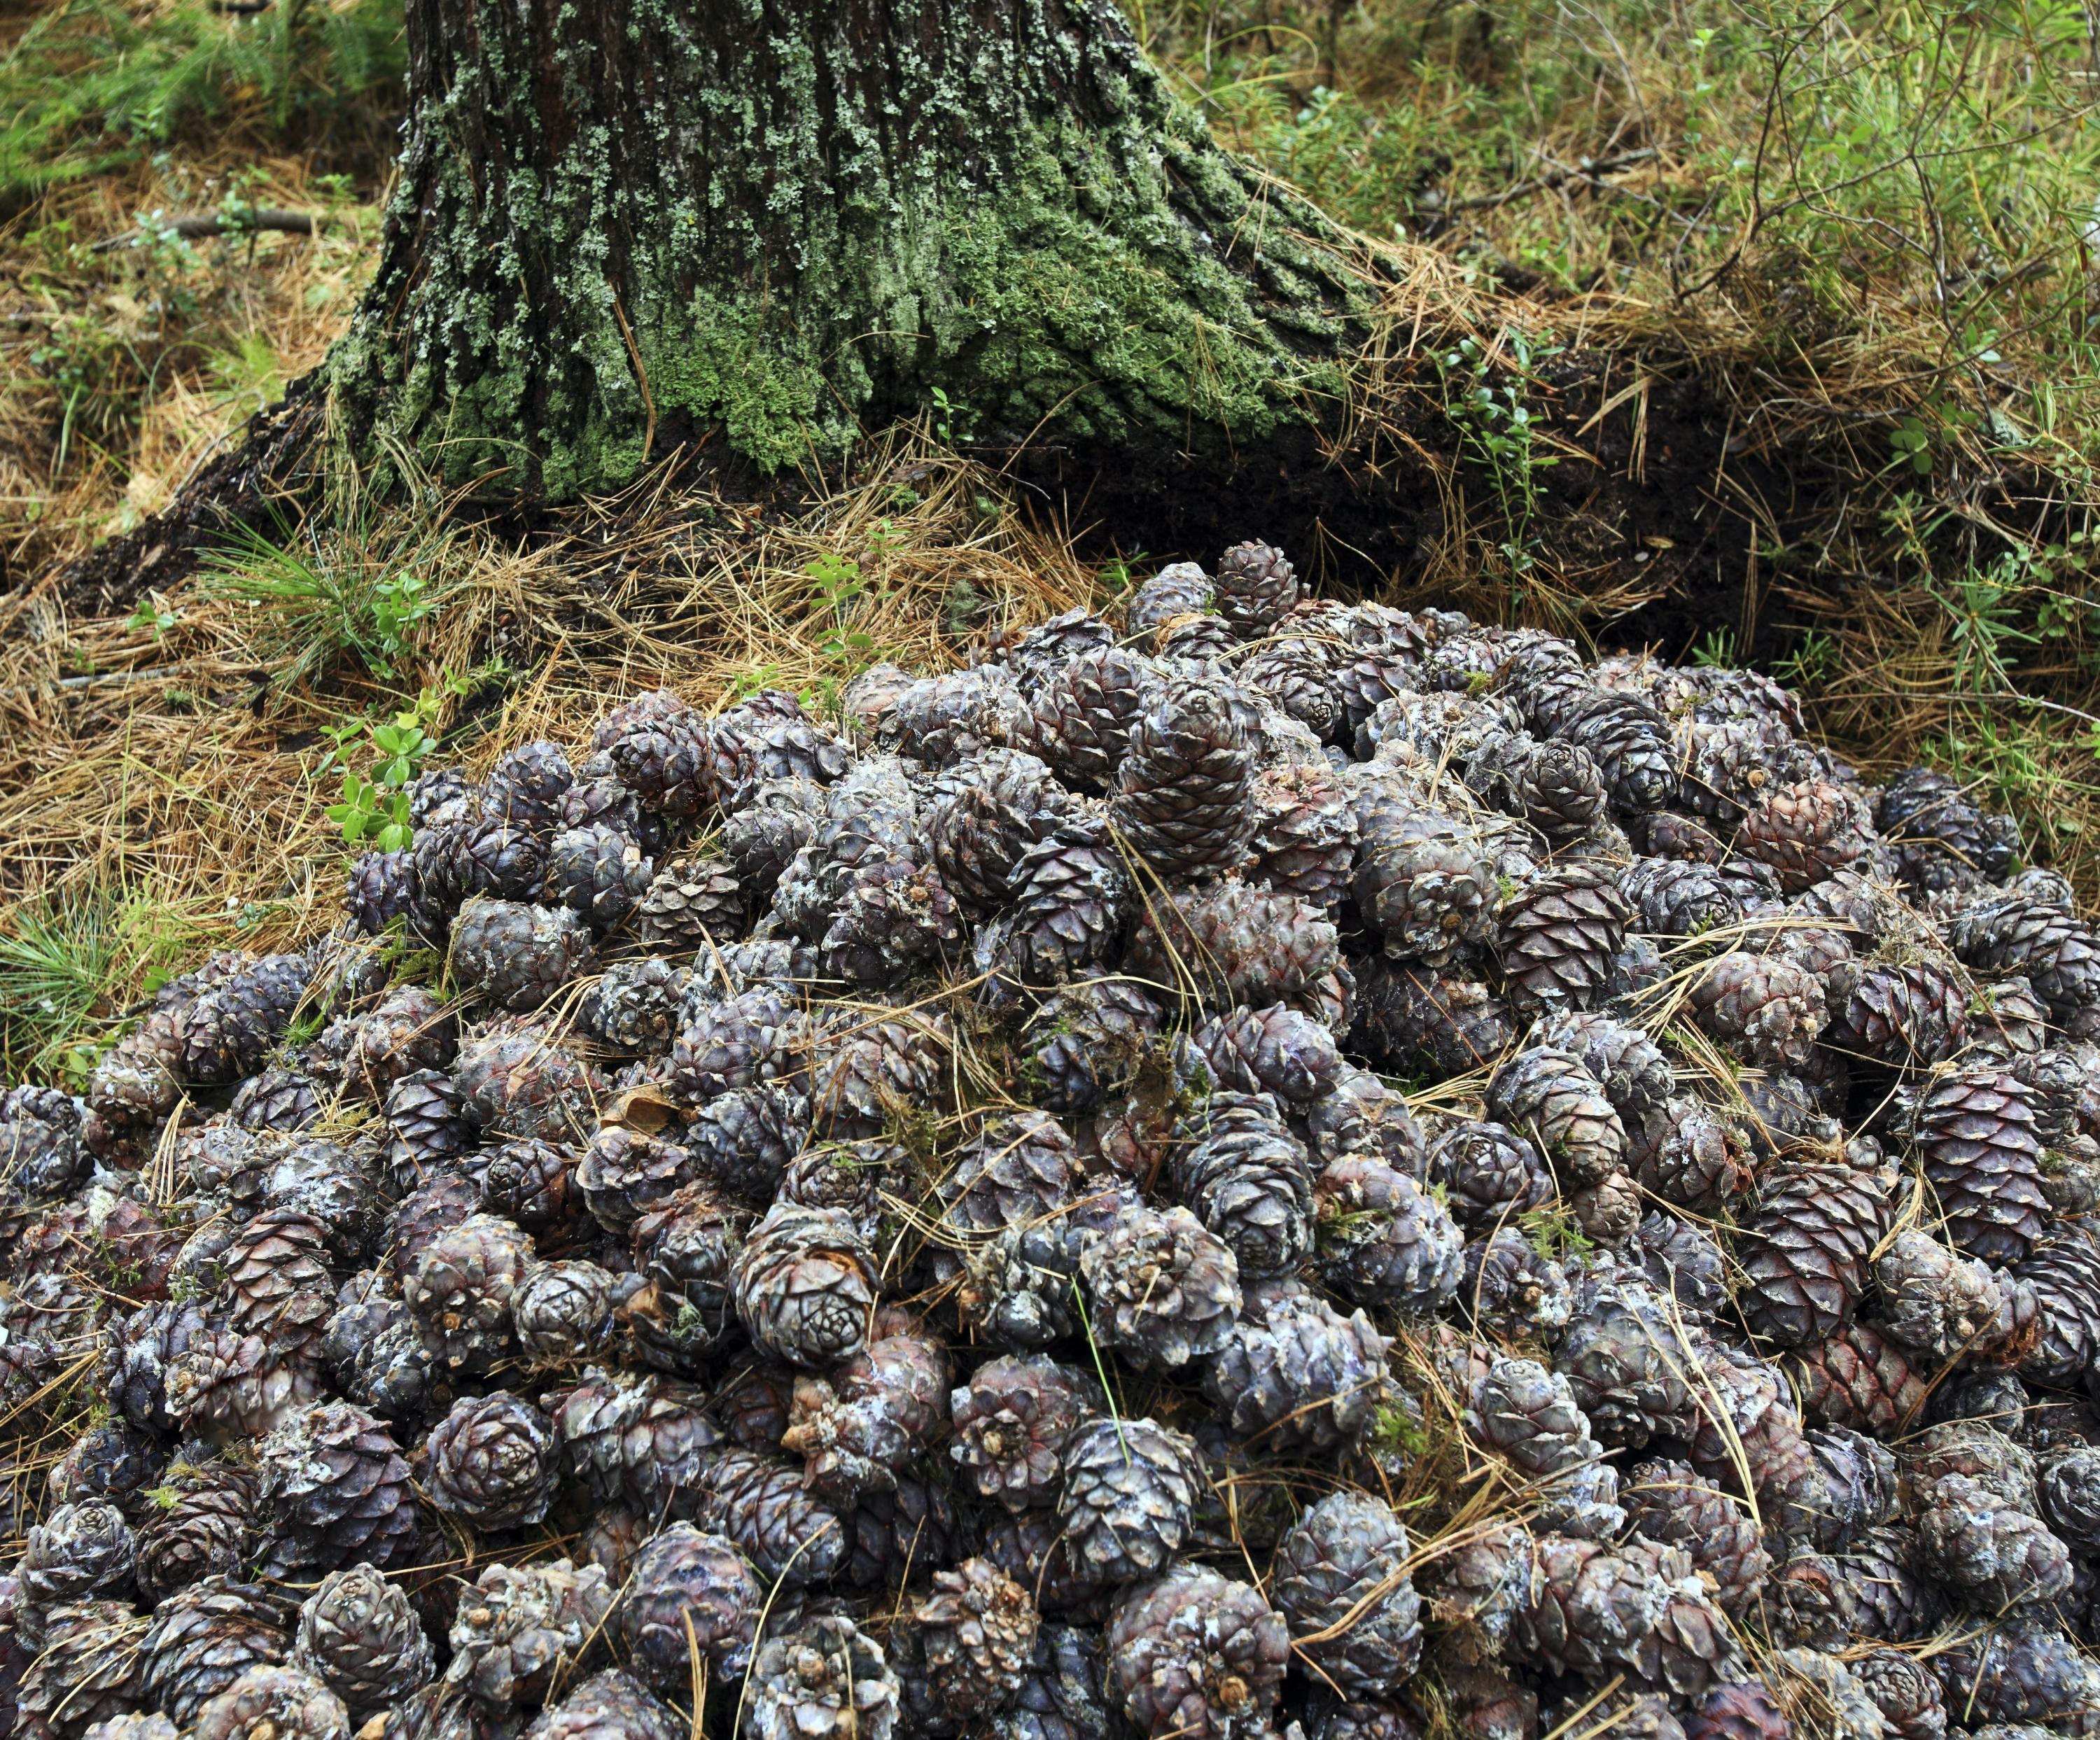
<point x="624" y="222"/>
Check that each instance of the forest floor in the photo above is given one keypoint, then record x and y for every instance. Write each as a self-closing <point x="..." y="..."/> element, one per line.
<point x="1869" y="227"/>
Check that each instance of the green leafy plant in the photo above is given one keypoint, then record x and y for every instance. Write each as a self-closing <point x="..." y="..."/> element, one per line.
<point x="374" y="810"/>
<point x="840" y="594"/>
<point x="1484" y="396"/>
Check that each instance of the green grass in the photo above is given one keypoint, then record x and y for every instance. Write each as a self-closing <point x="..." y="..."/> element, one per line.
<point x="66" y="966"/>
<point x="360" y="587"/>
<point x="1843" y="170"/>
<point x="90" y="88"/>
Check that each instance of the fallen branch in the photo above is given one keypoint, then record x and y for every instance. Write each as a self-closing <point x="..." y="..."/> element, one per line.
<point x="1590" y="170"/>
<point x="219" y="224"/>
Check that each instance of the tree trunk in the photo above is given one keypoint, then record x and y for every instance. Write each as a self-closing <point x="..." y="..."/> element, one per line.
<point x="621" y="222"/>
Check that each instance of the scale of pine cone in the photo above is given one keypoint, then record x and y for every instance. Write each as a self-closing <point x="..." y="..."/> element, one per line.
<point x="900" y="1228"/>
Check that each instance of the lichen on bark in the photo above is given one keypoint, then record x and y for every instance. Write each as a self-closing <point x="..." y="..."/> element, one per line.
<point x="788" y="221"/>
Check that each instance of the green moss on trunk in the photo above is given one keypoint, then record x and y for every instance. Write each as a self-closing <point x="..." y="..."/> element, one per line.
<point x="793" y="221"/>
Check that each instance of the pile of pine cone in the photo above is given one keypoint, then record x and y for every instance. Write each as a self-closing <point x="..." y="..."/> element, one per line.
<point x="1266" y="1168"/>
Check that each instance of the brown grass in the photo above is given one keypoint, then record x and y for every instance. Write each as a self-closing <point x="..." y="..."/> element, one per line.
<point x="174" y="341"/>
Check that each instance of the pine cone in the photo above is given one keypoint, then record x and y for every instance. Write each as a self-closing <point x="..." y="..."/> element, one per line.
<point x="1011" y="1421"/>
<point x="202" y="1638"/>
<point x="1086" y="1041"/>
<point x="1361" y="1115"/>
<point x="1509" y="1288"/>
<point x="518" y="956"/>
<point x="758" y="1503"/>
<point x="1425" y="879"/>
<point x="690" y="903"/>
<point x="825" y="1681"/>
<point x="87" y="1670"/>
<point x="426" y="1113"/>
<point x="1975" y="1134"/>
<point x="1129" y="1492"/>
<point x="1527" y="1415"/>
<point x="1247" y="1177"/>
<point x="977" y="1633"/>
<point x="2058" y="957"/>
<point x="1181" y="588"/>
<point x="359" y="1633"/>
<point x="1163" y="1288"/>
<point x="269" y="1701"/>
<point x="1080" y="720"/>
<point x="1255" y="587"/>
<point x="1936" y="1304"/>
<point x="1804" y="1254"/>
<point x="880" y="1071"/>
<point x="1764" y="1007"/>
<point x="598" y="873"/>
<point x="459" y="1290"/>
<point x="1298" y="1376"/>
<point x="1977" y="1449"/>
<point x="521" y="1625"/>
<point x="1990" y="1554"/>
<point x="612" y="1705"/>
<point x="804" y="1285"/>
<point x="1630" y="1363"/>
<point x="688" y="1590"/>
<point x="1674" y="897"/>
<point x="1673" y="1506"/>
<point x="492" y="1461"/>
<point x="380" y="885"/>
<point x="1415" y="1017"/>
<point x="1637" y="1608"/>
<point x="1183" y="797"/>
<point x="1904" y="1689"/>
<point x="634" y="1006"/>
<point x="1280" y="1051"/>
<point x="1227" y="944"/>
<point x="1941" y="838"/>
<point x="872" y="1418"/>
<point x="1551" y="1097"/>
<point x="1334" y="1573"/>
<point x="1907" y="1017"/>
<point x="1695" y="1155"/>
<point x="1382" y="1240"/>
<point x="1557" y="936"/>
<point x="277" y="1256"/>
<point x="1885" y="1597"/>
<point x="858" y="1179"/>
<point x="2021" y="1671"/>
<point x="894" y="920"/>
<point x="335" y="1491"/>
<point x="224" y="1386"/>
<point x="641" y="1441"/>
<point x="2062" y="1277"/>
<point x="1681" y="1263"/>
<point x="1805" y="832"/>
<point x="203" y="1530"/>
<point x="1196" y="1656"/>
<point x="1631" y="746"/>
<point x="745" y="1139"/>
<point x="985" y="814"/>
<point x="2068" y="1488"/>
<point x="1856" y="1377"/>
<point x="77" y="1554"/>
<point x="1304" y="839"/>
